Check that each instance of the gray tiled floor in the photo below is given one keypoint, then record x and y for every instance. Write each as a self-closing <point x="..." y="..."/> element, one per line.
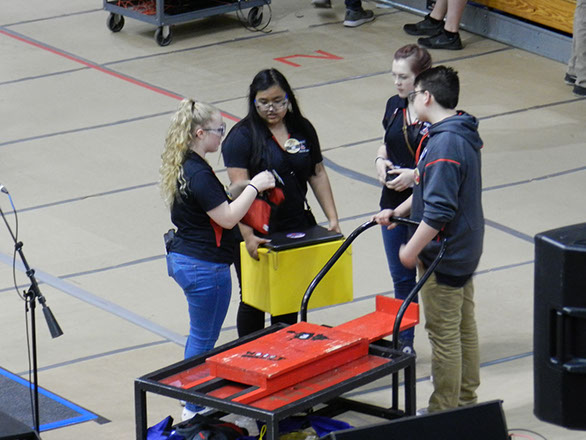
<point x="84" y="112"/>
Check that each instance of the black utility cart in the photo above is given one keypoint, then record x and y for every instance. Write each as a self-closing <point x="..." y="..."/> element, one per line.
<point x="165" y="13"/>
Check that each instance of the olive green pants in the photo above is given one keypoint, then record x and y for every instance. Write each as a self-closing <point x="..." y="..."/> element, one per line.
<point x="451" y="328"/>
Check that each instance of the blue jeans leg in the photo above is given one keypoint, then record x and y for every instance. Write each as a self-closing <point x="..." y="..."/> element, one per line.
<point x="403" y="278"/>
<point x="354" y="5"/>
<point x="207" y="288"/>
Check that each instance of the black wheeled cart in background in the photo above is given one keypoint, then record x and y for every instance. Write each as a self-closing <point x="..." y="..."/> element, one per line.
<point x="164" y="13"/>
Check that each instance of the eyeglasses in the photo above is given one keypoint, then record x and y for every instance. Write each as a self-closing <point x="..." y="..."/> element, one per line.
<point x="220" y="131"/>
<point x="277" y="105"/>
<point x="411" y="96"/>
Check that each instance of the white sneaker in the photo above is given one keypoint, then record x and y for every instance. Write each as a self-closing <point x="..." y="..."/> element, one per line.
<point x="422" y="412"/>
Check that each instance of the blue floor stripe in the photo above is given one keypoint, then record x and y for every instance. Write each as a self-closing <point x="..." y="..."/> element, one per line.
<point x="84" y="415"/>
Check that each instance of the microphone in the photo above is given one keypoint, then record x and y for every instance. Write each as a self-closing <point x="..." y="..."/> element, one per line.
<point x="3" y="189"/>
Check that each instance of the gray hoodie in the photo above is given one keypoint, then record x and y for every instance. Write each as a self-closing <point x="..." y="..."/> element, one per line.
<point x="448" y="193"/>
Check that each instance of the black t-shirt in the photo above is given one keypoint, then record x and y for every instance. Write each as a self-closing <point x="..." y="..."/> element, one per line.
<point x="197" y="234"/>
<point x="398" y="151"/>
<point x="294" y="168"/>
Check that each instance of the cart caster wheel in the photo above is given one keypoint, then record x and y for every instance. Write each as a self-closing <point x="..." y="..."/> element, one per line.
<point x="163" y="36"/>
<point x="115" y="22"/>
<point x="255" y="16"/>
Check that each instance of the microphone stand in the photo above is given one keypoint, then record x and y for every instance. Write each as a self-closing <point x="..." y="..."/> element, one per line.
<point x="32" y="295"/>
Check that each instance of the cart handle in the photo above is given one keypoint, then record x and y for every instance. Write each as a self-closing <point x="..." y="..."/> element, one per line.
<point x="359" y="230"/>
<point x="407" y="301"/>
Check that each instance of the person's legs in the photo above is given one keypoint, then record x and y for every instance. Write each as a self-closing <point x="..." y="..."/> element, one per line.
<point x="207" y="288"/>
<point x="432" y="23"/>
<point x="289" y="318"/>
<point x="354" y="5"/>
<point x="439" y="10"/>
<point x="442" y="306"/>
<point x="470" y="350"/>
<point x="208" y="303"/>
<point x="403" y="278"/>
<point x="454" y="15"/>
<point x="248" y="319"/>
<point x="446" y="34"/>
<point x="355" y="14"/>
<point x="571" y="70"/>
<point x="577" y="63"/>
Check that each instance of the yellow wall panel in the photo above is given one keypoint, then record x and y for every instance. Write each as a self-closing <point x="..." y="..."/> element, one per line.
<point x="557" y="14"/>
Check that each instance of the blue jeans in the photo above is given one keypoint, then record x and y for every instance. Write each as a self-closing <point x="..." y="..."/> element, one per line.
<point x="355" y="5"/>
<point x="403" y="278"/>
<point x="207" y="287"/>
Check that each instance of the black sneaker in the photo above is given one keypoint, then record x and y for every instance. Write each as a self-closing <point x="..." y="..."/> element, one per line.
<point x="579" y="91"/>
<point x="321" y="3"/>
<point x="442" y="41"/>
<point x="427" y="26"/>
<point x="356" y="18"/>
<point x="570" y="79"/>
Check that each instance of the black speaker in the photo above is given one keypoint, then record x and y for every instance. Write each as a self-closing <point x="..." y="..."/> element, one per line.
<point x="485" y="421"/>
<point x="559" y="336"/>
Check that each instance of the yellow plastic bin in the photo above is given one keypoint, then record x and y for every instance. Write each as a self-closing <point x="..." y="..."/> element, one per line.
<point x="277" y="282"/>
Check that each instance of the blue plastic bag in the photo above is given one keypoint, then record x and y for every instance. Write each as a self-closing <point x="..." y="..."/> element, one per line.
<point x="163" y="431"/>
<point x="325" y="425"/>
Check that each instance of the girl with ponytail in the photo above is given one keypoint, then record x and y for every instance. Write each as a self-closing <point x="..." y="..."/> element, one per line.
<point x="202" y="250"/>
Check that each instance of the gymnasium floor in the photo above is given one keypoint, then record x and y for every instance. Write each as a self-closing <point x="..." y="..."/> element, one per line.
<point x="84" y="112"/>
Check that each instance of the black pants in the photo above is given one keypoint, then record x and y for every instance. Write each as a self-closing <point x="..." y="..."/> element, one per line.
<point x="250" y="319"/>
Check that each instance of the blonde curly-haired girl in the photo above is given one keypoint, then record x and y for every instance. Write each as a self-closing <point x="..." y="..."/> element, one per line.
<point x="200" y="254"/>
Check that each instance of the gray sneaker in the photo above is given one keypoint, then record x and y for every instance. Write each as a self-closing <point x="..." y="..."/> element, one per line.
<point x="321" y="3"/>
<point x="356" y="18"/>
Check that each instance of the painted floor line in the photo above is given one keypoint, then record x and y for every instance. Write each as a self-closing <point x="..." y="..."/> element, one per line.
<point x="84" y="415"/>
<point x="40" y="45"/>
<point x="100" y="303"/>
<point x="428" y="378"/>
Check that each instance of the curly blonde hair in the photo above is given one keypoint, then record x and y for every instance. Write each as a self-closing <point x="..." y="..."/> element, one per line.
<point x="190" y="116"/>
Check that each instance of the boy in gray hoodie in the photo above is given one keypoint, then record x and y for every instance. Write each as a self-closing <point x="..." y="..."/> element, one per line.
<point x="447" y="198"/>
